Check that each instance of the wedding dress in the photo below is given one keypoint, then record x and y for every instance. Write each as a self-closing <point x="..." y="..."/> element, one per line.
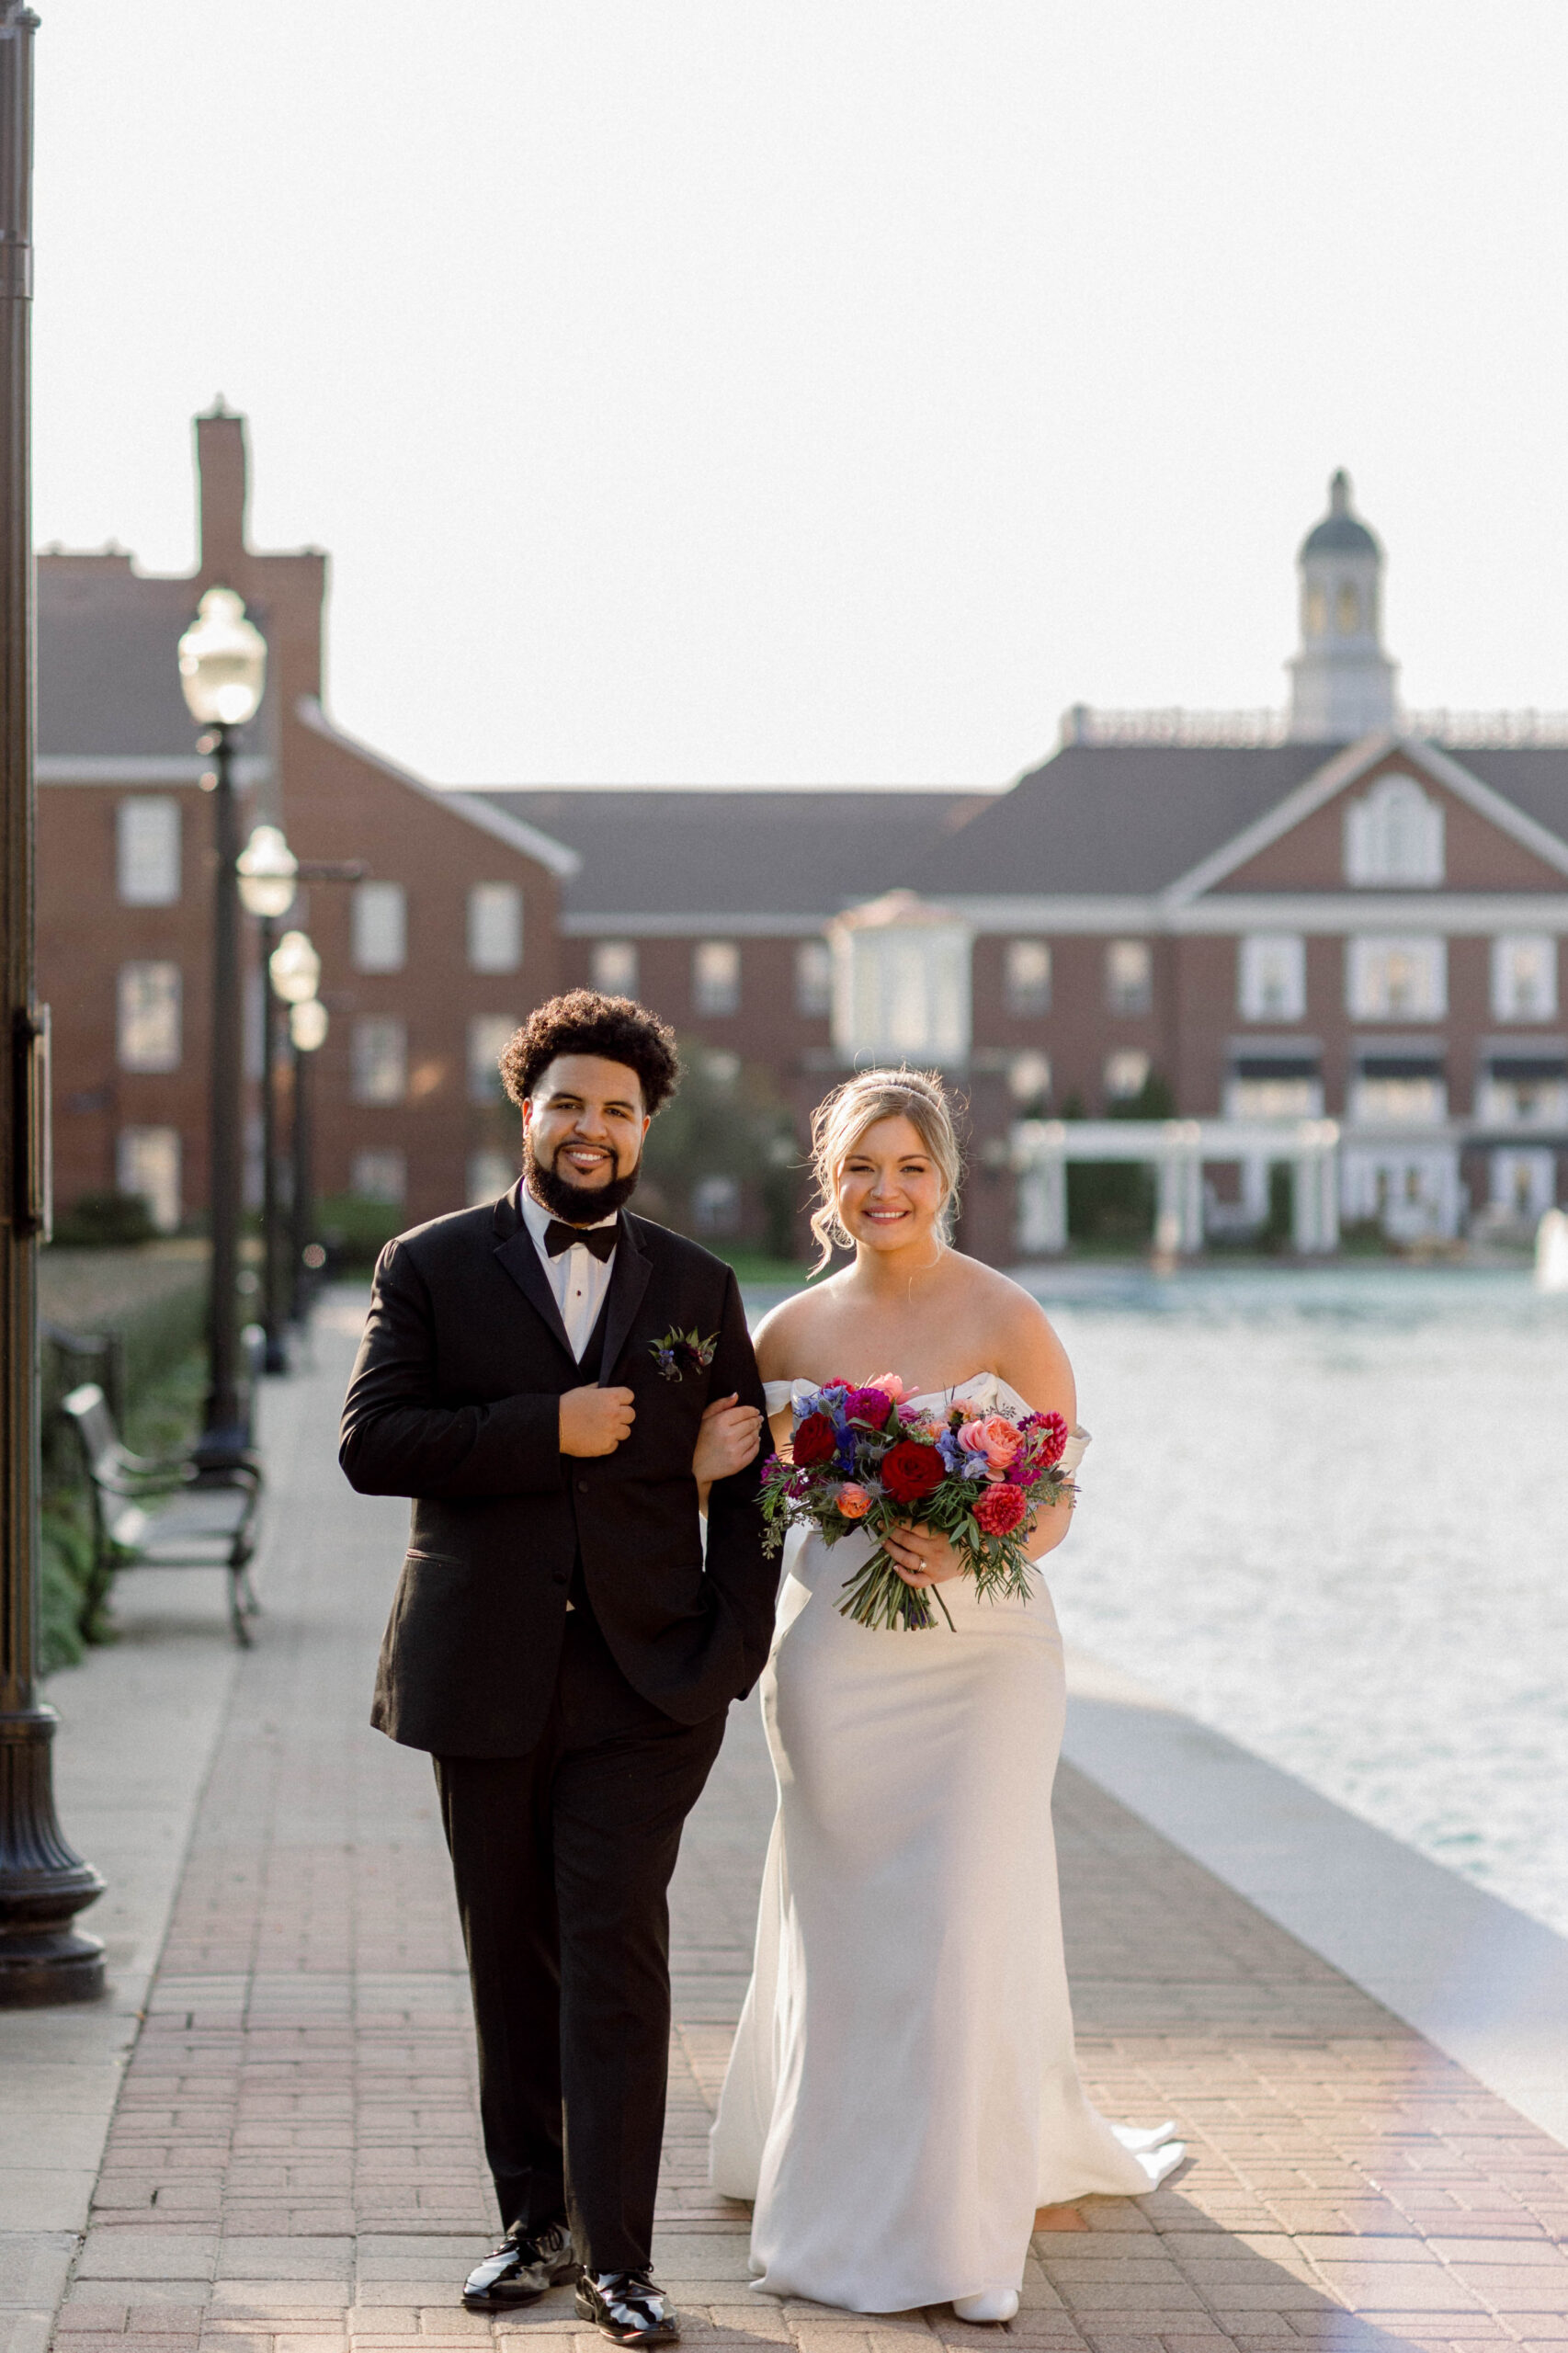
<point x="902" y="2093"/>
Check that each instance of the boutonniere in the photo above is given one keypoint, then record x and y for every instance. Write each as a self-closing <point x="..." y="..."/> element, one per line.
<point x="683" y="1352"/>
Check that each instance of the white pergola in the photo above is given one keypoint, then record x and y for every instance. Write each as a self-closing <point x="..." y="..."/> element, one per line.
<point x="1177" y="1150"/>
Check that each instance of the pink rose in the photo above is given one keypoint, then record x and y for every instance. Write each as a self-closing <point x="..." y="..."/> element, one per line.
<point x="852" y="1501"/>
<point x="894" y="1387"/>
<point x="995" y="1437"/>
<point x="1000" y="1510"/>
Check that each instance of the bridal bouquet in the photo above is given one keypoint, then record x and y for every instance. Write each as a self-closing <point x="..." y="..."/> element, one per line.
<point x="860" y="1458"/>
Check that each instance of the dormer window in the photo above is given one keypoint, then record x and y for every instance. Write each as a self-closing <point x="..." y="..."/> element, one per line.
<point x="1394" y="835"/>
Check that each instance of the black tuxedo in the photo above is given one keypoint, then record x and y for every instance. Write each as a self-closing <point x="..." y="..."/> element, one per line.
<point x="453" y="1401"/>
<point x="570" y="1743"/>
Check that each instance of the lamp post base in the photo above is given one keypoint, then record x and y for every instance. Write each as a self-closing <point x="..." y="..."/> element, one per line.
<point x="43" y="1884"/>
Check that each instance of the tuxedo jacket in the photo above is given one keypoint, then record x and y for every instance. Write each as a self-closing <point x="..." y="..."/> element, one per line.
<point x="454" y="1402"/>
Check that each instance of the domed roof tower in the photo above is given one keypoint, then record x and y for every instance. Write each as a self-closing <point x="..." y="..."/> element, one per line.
<point x="1342" y="683"/>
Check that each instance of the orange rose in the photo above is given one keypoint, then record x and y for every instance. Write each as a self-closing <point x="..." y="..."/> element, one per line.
<point x="852" y="1501"/>
<point x="994" y="1438"/>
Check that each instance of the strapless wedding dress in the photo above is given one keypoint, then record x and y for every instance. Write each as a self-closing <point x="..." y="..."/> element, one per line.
<point x="902" y="2093"/>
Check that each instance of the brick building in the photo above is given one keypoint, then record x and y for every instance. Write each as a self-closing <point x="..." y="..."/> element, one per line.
<point x="1339" y="912"/>
<point x="427" y="961"/>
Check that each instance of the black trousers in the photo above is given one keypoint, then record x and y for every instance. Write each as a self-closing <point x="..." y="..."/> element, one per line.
<point x="563" y="1861"/>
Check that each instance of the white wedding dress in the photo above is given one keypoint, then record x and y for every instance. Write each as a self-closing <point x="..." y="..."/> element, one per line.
<point x="902" y="2093"/>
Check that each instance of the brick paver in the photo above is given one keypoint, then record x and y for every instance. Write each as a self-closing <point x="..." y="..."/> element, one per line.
<point x="294" y="2164"/>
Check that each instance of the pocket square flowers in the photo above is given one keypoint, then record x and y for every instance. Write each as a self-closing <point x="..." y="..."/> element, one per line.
<point x="679" y="1353"/>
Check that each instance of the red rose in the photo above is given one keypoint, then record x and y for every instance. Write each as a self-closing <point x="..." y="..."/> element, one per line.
<point x="1000" y="1509"/>
<point x="814" y="1441"/>
<point x="910" y="1470"/>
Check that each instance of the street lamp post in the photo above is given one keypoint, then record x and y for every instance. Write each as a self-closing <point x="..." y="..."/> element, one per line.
<point x="268" y="869"/>
<point x="223" y="665"/>
<point x="307" y="1028"/>
<point x="294" y="970"/>
<point x="43" y="1883"/>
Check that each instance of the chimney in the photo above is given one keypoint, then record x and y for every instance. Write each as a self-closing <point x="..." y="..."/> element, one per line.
<point x="221" y="489"/>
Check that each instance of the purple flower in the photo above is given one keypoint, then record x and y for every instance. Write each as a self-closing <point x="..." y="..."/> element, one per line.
<point x="871" y="1406"/>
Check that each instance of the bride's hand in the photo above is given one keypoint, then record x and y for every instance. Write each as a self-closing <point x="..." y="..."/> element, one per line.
<point x="727" y="1441"/>
<point x="920" y="1555"/>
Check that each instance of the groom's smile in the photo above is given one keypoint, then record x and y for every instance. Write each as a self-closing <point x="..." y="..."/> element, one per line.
<point x="582" y="1130"/>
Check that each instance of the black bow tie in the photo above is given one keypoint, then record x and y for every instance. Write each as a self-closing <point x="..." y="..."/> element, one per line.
<point x="599" y="1239"/>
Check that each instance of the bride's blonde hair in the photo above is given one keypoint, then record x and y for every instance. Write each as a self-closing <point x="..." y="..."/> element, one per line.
<point x="841" y="1120"/>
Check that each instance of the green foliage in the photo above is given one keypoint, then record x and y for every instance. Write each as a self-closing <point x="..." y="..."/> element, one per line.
<point x="104" y="1221"/>
<point x="1113" y="1200"/>
<point x="354" y="1231"/>
<point x="1279" y="1226"/>
<point x="729" y="1125"/>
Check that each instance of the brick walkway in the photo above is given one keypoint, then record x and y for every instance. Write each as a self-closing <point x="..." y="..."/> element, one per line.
<point x="294" y="2163"/>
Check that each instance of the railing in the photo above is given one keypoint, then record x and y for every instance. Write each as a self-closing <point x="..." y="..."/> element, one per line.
<point x="1250" y="729"/>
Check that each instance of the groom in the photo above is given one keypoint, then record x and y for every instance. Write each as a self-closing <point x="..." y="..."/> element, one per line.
<point x="557" y="1640"/>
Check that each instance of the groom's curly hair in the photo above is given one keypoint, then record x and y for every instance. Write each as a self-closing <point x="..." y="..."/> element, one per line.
<point x="584" y="1022"/>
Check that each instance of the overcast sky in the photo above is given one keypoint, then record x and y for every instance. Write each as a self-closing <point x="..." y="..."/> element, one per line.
<point x="809" y="391"/>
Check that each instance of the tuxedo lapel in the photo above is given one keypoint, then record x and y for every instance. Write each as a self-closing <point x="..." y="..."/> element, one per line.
<point x="521" y="1261"/>
<point x="629" y="1278"/>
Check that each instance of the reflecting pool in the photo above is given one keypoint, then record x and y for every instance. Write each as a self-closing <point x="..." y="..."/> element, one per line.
<point x="1328" y="1514"/>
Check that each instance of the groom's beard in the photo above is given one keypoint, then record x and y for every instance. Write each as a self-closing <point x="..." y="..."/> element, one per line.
<point x="577" y="1204"/>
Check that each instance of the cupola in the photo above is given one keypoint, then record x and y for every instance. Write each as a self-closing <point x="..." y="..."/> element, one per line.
<point x="1342" y="683"/>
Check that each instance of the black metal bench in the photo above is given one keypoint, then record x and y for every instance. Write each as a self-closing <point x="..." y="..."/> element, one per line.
<point x="162" y="1513"/>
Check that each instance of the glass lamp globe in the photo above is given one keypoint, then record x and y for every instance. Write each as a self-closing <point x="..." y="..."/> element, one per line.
<point x="307" y="1024"/>
<point x="222" y="662"/>
<point x="295" y="969"/>
<point x="267" y="868"/>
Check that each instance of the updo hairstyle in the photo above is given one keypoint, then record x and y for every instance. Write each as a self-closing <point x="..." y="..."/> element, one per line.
<point x="841" y="1120"/>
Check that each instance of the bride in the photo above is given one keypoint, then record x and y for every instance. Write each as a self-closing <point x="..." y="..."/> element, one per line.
<point x="902" y="2093"/>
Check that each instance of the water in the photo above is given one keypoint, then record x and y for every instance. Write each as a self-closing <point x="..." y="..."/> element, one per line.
<point x="1326" y="1514"/>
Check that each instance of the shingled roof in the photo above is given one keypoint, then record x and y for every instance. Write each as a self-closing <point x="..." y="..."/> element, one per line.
<point x="747" y="852"/>
<point x="108" y="662"/>
<point x="1115" y="818"/>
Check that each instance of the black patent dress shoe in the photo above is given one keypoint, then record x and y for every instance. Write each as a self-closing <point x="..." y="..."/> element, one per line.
<point x="628" y="2307"/>
<point x="520" y="2270"/>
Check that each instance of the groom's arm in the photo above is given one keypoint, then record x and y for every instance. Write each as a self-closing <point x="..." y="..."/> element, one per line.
<point x="736" y="1562"/>
<point x="398" y="1439"/>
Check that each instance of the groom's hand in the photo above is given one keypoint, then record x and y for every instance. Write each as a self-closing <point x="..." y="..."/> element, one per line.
<point x="595" y="1420"/>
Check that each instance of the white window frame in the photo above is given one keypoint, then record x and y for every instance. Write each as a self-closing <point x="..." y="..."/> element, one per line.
<point x="487" y="1033"/>
<point x="148" y="1017"/>
<point x="394" y="1191"/>
<point x="814" y="979"/>
<point x="1506" y="951"/>
<point x="716" y="978"/>
<point x="1023" y="997"/>
<point x="1394" y="835"/>
<point x="379" y="924"/>
<point x="494" y="927"/>
<point x="1271" y="961"/>
<point x="391" y="1032"/>
<point x="147" y="850"/>
<point x="147" y="1163"/>
<point x="1126" y="1073"/>
<point x="490" y="1172"/>
<point x="1367" y="994"/>
<point x="1129" y="990"/>
<point x="614" y="966"/>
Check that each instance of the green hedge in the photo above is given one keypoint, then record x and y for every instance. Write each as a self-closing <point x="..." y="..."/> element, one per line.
<point x="161" y="1374"/>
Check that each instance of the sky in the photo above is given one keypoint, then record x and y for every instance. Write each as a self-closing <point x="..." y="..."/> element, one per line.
<point x="803" y="392"/>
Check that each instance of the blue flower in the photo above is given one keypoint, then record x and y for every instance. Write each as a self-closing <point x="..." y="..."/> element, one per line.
<point x="972" y="1466"/>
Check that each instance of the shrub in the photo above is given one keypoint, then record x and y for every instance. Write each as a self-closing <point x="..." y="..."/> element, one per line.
<point x="104" y="1222"/>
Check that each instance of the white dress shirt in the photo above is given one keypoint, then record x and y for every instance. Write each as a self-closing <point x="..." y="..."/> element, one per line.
<point x="577" y="1278"/>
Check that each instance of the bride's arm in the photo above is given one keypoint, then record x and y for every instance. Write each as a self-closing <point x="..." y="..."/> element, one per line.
<point x="1032" y="1360"/>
